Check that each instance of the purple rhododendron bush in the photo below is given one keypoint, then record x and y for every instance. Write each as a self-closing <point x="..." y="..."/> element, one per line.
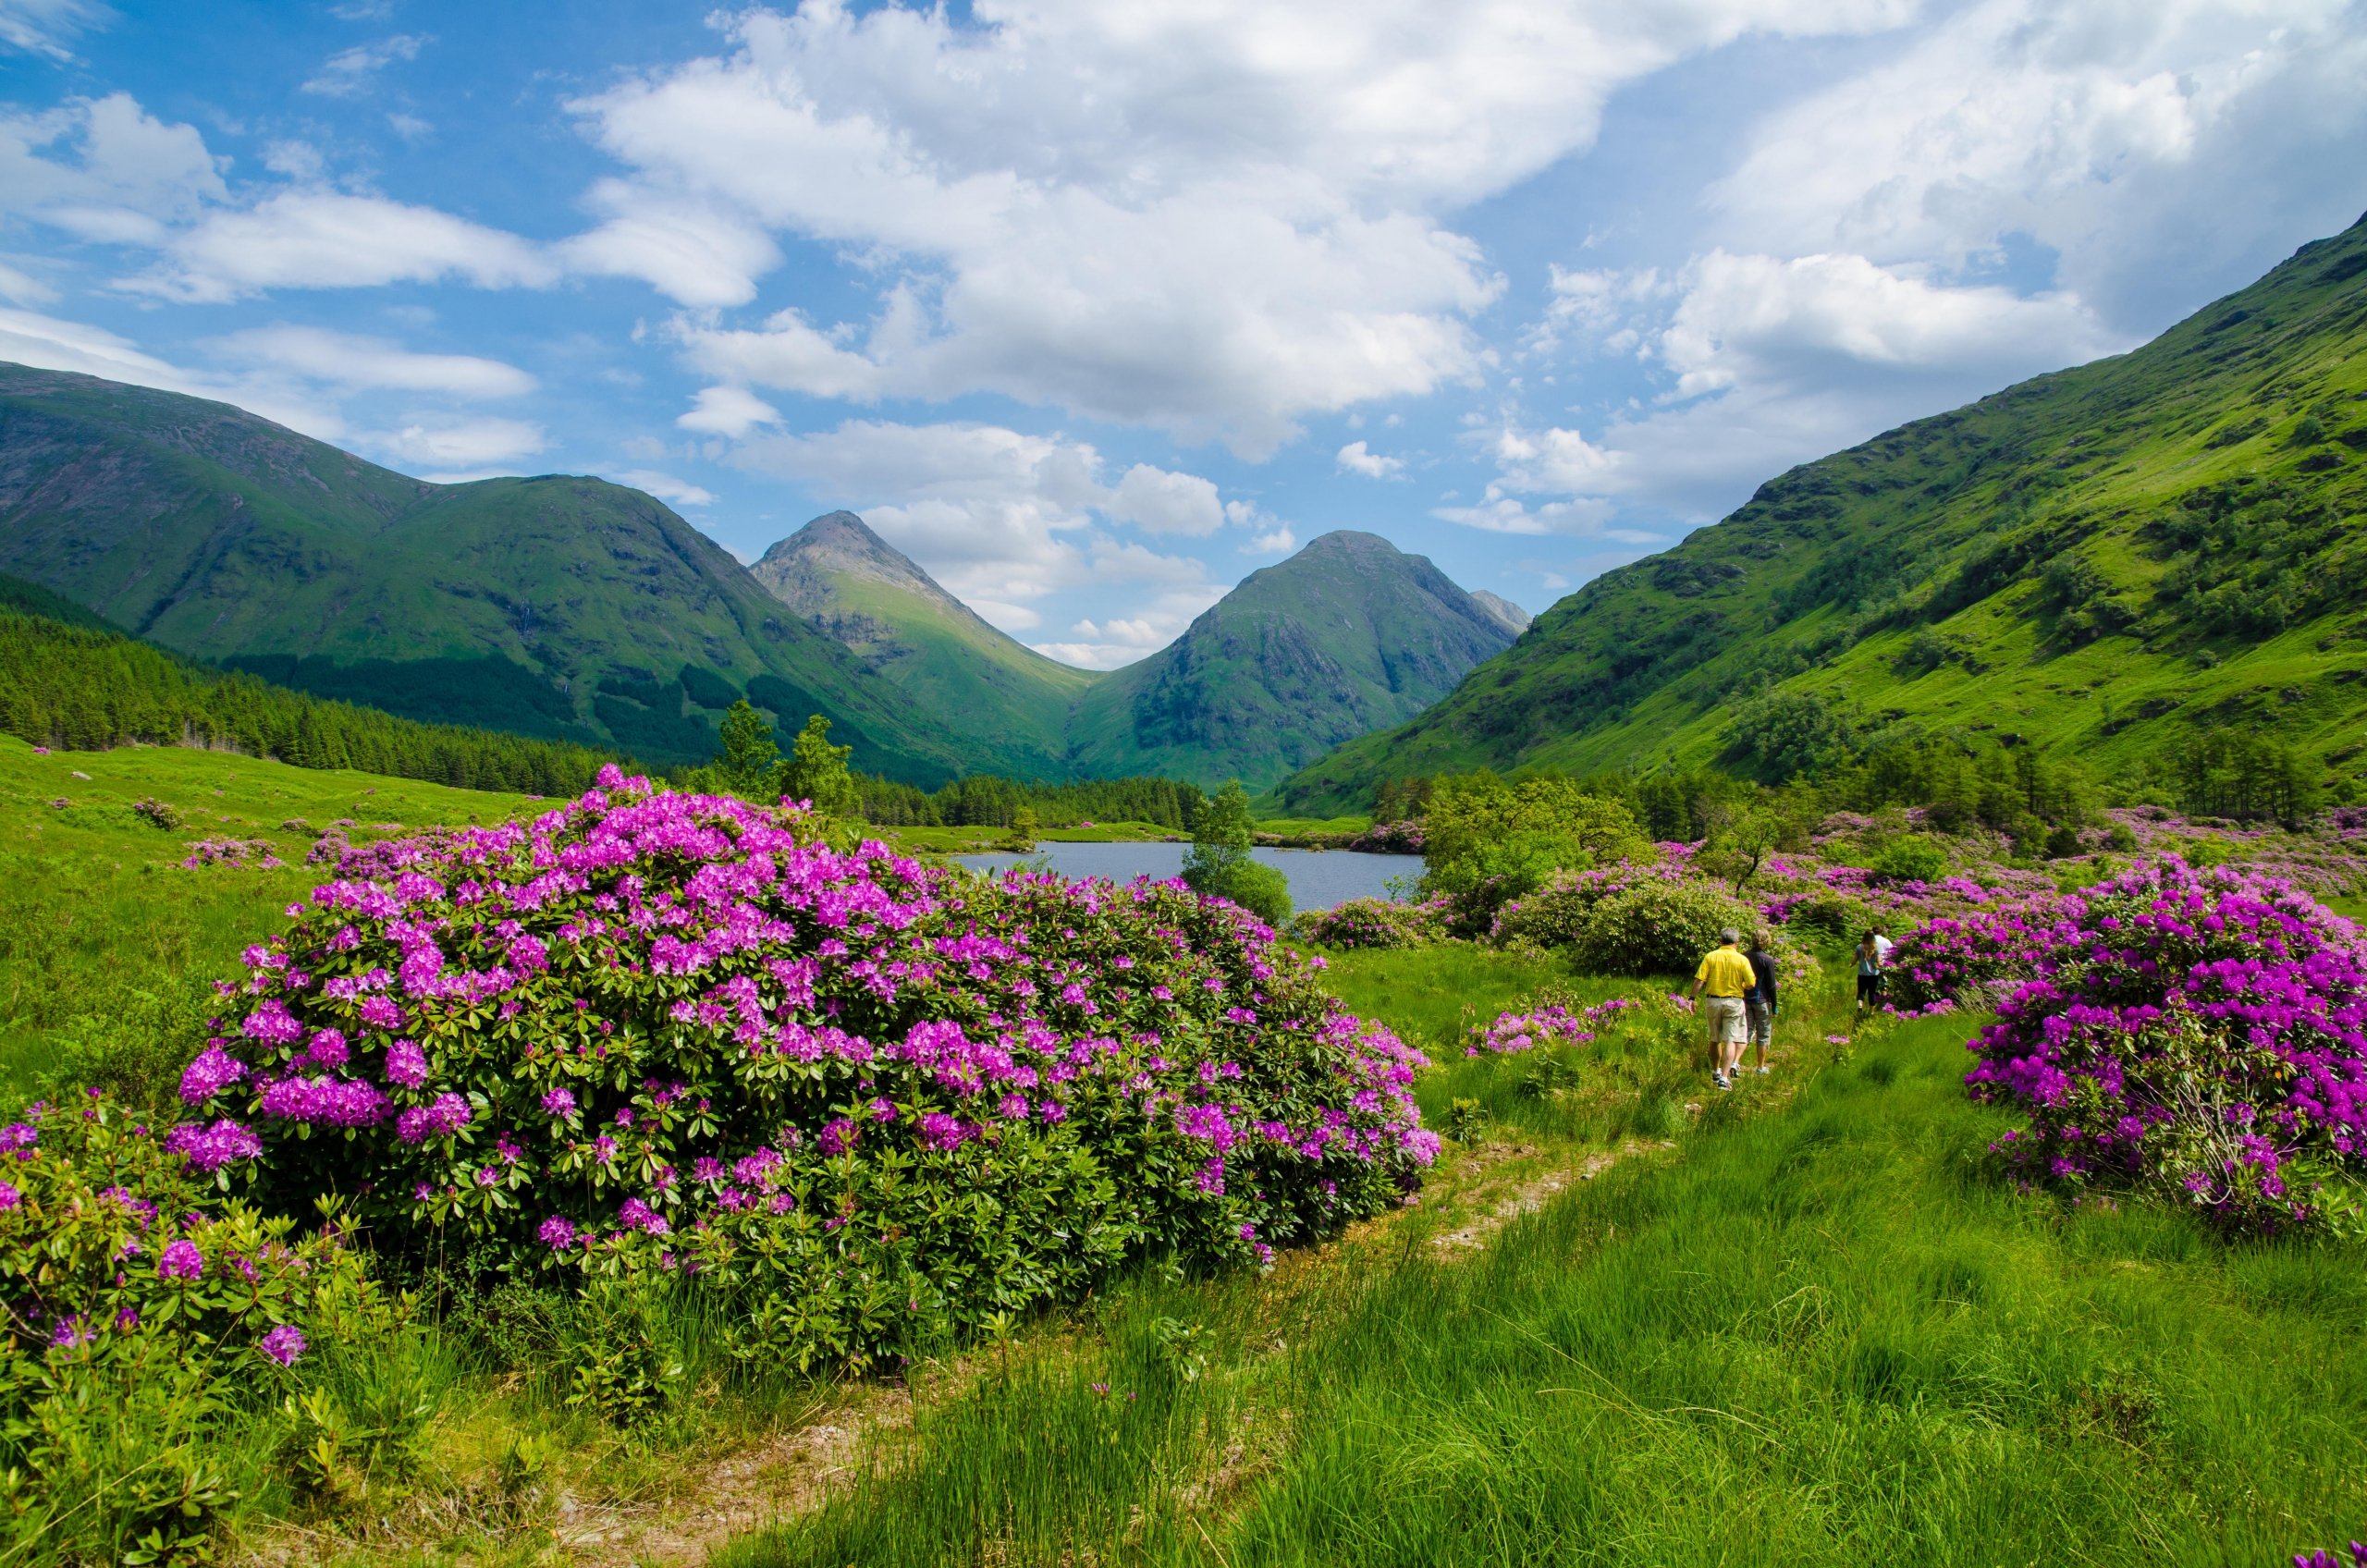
<point x="1374" y="922"/>
<point x="652" y="1033"/>
<point x="142" y="1307"/>
<point x="2200" y="1034"/>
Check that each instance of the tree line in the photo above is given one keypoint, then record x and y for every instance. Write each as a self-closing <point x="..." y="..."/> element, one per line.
<point x="85" y="688"/>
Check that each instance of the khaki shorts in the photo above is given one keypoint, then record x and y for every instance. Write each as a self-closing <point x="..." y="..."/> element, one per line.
<point x="1726" y="1018"/>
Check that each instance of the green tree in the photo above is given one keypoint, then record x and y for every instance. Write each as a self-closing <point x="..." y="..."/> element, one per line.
<point x="1021" y="837"/>
<point x="1220" y="865"/>
<point x="1741" y="838"/>
<point x="749" y="762"/>
<point x="816" y="771"/>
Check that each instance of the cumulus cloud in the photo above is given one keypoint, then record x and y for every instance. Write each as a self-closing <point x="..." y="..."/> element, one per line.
<point x="2120" y="134"/>
<point x="349" y="361"/>
<point x="104" y="169"/>
<point x="1355" y="458"/>
<point x="727" y="411"/>
<point x="1239" y="225"/>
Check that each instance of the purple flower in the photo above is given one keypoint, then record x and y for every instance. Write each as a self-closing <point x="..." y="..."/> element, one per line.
<point x="207" y="1149"/>
<point x="283" y="1344"/>
<point x="406" y="1064"/>
<point x="637" y="1215"/>
<point x="559" y="1102"/>
<point x="213" y="1070"/>
<point x="182" y="1260"/>
<point x="557" y="1232"/>
<point x="10" y="1197"/>
<point x="446" y="1114"/>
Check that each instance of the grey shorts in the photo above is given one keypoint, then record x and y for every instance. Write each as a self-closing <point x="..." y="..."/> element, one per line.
<point x="1762" y="1020"/>
<point x="1726" y="1018"/>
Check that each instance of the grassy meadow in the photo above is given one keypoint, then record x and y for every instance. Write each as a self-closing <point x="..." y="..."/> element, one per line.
<point x="1628" y="1320"/>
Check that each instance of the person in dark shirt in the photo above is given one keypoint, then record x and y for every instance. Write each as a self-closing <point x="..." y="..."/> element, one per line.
<point x="1758" y="1002"/>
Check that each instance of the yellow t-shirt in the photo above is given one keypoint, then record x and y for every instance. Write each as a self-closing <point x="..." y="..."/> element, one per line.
<point x="1726" y="973"/>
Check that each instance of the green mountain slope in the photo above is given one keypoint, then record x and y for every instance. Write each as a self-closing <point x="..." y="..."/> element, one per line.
<point x="2109" y="560"/>
<point x="1344" y="637"/>
<point x="558" y="606"/>
<point x="1010" y="702"/>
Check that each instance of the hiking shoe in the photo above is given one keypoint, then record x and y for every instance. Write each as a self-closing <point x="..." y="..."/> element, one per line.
<point x="1762" y="1072"/>
<point x="1723" y="1081"/>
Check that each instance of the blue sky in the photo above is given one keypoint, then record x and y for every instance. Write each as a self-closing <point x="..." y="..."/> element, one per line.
<point x="1095" y="309"/>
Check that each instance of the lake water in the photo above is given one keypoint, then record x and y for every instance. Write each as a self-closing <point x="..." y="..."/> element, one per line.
<point x="1318" y="879"/>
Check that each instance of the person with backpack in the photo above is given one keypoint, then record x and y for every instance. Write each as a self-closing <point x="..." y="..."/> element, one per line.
<point x="1873" y="948"/>
<point x="1758" y="1002"/>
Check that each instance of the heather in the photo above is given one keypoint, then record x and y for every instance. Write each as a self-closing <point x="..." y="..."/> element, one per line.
<point x="871" y="1103"/>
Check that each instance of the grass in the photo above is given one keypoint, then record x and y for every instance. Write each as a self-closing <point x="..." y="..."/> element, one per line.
<point x="106" y="943"/>
<point x="1630" y="1321"/>
<point x="1821" y="1332"/>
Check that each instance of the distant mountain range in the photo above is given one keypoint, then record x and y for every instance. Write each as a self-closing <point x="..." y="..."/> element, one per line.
<point x="1348" y="634"/>
<point x="572" y="609"/>
<point x="2112" y="560"/>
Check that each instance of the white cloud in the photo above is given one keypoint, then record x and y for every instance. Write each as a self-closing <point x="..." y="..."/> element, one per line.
<point x="346" y="360"/>
<point x="312" y="238"/>
<point x="1355" y="458"/>
<point x="350" y="71"/>
<point x="666" y="487"/>
<point x="47" y="27"/>
<point x="692" y="251"/>
<point x="1276" y="541"/>
<point x="2119" y="133"/>
<point x="22" y="288"/>
<point x="727" y="411"/>
<point x="1160" y="502"/>
<point x="1214" y="217"/>
<point x="1004" y="520"/>
<point x="446" y="442"/>
<point x="104" y="169"/>
<point x="48" y="343"/>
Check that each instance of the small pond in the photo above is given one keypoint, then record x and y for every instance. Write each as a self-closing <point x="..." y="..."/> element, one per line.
<point x="1318" y="879"/>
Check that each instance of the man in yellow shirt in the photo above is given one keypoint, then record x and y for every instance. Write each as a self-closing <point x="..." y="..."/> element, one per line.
<point x="1727" y="976"/>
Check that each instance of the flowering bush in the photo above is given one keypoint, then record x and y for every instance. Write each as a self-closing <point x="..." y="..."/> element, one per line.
<point x="241" y="853"/>
<point x="1556" y="913"/>
<point x="1400" y="837"/>
<point x="658" y="1031"/>
<point x="2202" y="1033"/>
<point x="138" y="1306"/>
<point x="1374" y="922"/>
<point x="1553" y="1024"/>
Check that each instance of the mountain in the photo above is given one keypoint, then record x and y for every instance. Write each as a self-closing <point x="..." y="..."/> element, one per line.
<point x="1010" y="702"/>
<point x="2114" y="560"/>
<point x="1509" y="616"/>
<point x="558" y="606"/>
<point x="1344" y="637"/>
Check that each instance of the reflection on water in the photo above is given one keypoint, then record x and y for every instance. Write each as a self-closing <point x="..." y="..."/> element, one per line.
<point x="1318" y="879"/>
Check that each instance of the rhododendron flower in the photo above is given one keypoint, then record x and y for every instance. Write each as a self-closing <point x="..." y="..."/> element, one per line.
<point x="182" y="1260"/>
<point x="283" y="1344"/>
<point x="407" y="1064"/>
<point x="213" y="1070"/>
<point x="557" y="1232"/>
<point x="207" y="1149"/>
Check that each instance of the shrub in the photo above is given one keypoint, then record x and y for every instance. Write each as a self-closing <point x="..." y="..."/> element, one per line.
<point x="1255" y="886"/>
<point x="2198" y="1034"/>
<point x="1656" y="927"/>
<point x="1554" y="914"/>
<point x="1374" y="922"/>
<point x="141" y="1310"/>
<point x="1977" y="959"/>
<point x="1488" y="840"/>
<point x="1910" y="858"/>
<point x="1543" y="1026"/>
<point x="871" y="1103"/>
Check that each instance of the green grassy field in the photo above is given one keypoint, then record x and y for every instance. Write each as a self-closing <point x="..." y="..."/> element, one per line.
<point x="106" y="943"/>
<point x="1817" y="1332"/>
<point x="1629" y="1319"/>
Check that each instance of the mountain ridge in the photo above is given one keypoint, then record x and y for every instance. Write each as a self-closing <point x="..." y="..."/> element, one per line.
<point x="2111" y="557"/>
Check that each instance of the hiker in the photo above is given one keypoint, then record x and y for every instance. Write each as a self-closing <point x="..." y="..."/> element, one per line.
<point x="1873" y="951"/>
<point x="1727" y="976"/>
<point x="1758" y="1002"/>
